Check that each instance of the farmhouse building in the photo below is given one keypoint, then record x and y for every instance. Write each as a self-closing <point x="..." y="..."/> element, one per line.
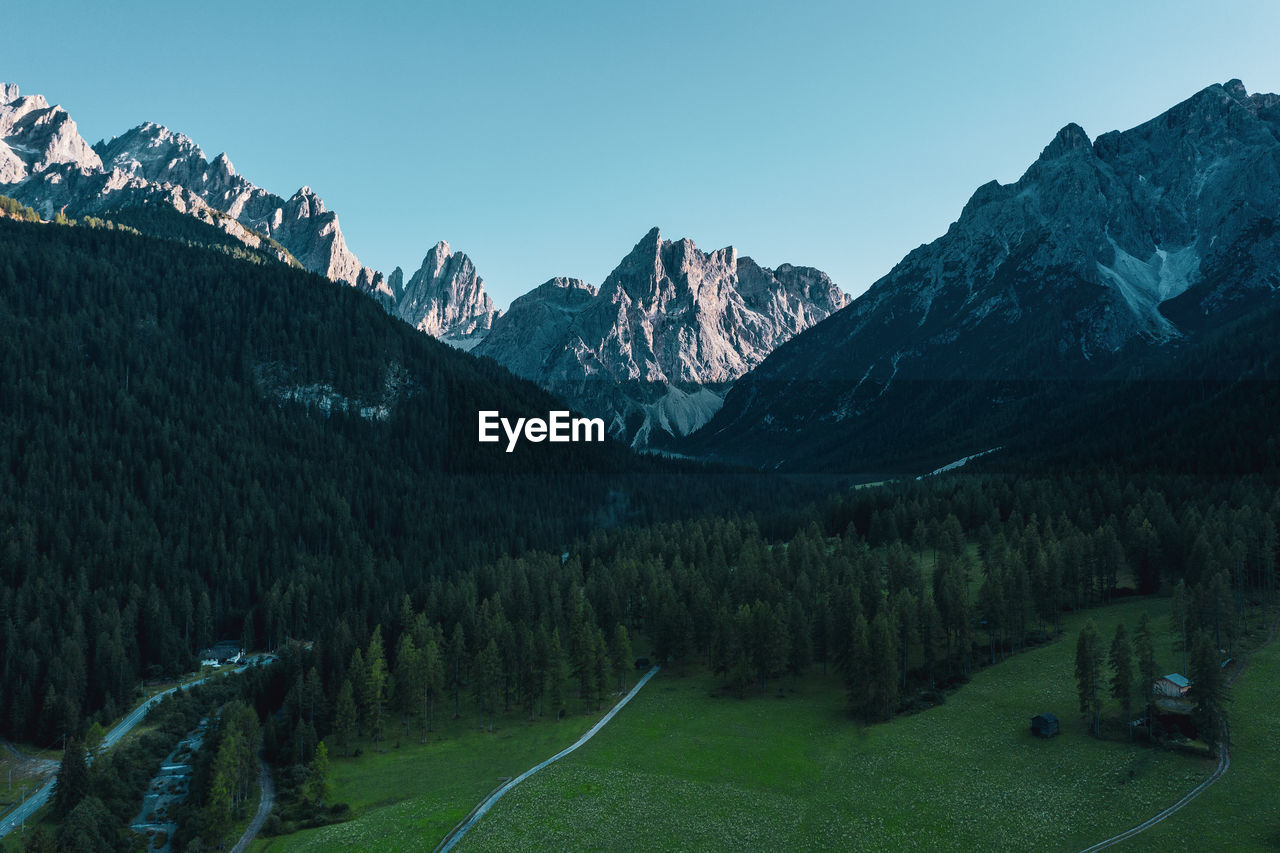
<point x="1172" y="685"/>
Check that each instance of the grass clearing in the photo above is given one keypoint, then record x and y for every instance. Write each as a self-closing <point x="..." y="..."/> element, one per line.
<point x="408" y="797"/>
<point x="1244" y="805"/>
<point x="679" y="769"/>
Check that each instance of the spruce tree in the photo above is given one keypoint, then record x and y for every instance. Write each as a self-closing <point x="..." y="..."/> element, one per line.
<point x="73" y="779"/>
<point x="1122" y="671"/>
<point x="1208" y="691"/>
<point x="346" y="722"/>
<point x="1146" y="664"/>
<point x="376" y="685"/>
<point x="1089" y="676"/>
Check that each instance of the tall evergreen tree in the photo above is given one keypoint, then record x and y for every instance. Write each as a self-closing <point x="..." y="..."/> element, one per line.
<point x="1122" y="671"/>
<point x="1146" y="664"/>
<point x="375" y="694"/>
<point x="1208" y="691"/>
<point x="433" y="679"/>
<point x="73" y="782"/>
<point x="346" y="722"/>
<point x="621" y="653"/>
<point x="557" y="672"/>
<point x="319" y="784"/>
<point x="1089" y="676"/>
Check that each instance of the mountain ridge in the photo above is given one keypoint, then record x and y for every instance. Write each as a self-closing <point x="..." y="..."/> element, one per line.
<point x="1104" y="255"/>
<point x="655" y="346"/>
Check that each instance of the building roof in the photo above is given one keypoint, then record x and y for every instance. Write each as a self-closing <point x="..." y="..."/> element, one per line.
<point x="1049" y="717"/>
<point x="1180" y="680"/>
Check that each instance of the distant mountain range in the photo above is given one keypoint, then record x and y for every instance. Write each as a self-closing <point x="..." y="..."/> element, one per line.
<point x="1106" y="264"/>
<point x="1116" y="260"/>
<point x="653" y="350"/>
<point x="671" y="328"/>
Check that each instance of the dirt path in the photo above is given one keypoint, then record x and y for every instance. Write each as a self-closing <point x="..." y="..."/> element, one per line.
<point x="265" y="803"/>
<point x="1224" y="764"/>
<point x="455" y="835"/>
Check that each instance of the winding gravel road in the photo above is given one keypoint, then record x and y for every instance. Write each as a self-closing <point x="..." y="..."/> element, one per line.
<point x="265" y="803"/>
<point x="461" y="829"/>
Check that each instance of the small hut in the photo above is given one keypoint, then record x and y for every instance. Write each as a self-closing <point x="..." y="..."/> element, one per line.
<point x="1173" y="685"/>
<point x="1044" y="725"/>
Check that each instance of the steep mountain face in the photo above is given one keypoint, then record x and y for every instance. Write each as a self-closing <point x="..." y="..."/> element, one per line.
<point x="445" y="298"/>
<point x="46" y="164"/>
<point x="1103" y="260"/>
<point x="654" y="349"/>
<point x="35" y="136"/>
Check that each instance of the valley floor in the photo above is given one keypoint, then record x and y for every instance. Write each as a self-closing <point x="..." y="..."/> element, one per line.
<point x="682" y="767"/>
<point x="683" y="770"/>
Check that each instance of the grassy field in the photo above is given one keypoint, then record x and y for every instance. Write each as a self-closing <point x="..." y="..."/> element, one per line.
<point x="1244" y="805"/>
<point x="409" y="796"/>
<point x="679" y="769"/>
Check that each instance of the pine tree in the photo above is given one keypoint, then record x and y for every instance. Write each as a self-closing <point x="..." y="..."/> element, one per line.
<point x="358" y="675"/>
<point x="410" y="683"/>
<point x="376" y="684"/>
<point x="557" y="672"/>
<point x="1208" y="691"/>
<point x="882" y="657"/>
<point x="1146" y="664"/>
<point x="433" y="679"/>
<point x="457" y="653"/>
<point x="73" y="779"/>
<point x="346" y="722"/>
<point x="621" y="650"/>
<point x="1089" y="676"/>
<point x="486" y="681"/>
<point x="1122" y="671"/>
<point x="858" y="668"/>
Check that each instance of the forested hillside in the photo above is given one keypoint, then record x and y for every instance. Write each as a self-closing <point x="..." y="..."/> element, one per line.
<point x="193" y="447"/>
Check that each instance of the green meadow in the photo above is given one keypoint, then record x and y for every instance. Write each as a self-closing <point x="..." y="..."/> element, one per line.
<point x="684" y="768"/>
<point x="410" y="795"/>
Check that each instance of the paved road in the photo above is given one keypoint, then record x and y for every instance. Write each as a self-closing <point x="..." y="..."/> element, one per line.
<point x="1224" y="764"/>
<point x="461" y="829"/>
<point x="265" y="803"/>
<point x="36" y="800"/>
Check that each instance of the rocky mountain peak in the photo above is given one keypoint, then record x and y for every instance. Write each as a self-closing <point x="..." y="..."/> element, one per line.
<point x="444" y="298"/>
<point x="654" y="349"/>
<point x="1135" y="243"/>
<point x="35" y="137"/>
<point x="1070" y="139"/>
<point x="46" y="164"/>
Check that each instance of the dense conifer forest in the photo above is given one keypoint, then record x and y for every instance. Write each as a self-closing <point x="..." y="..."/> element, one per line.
<point x="196" y="448"/>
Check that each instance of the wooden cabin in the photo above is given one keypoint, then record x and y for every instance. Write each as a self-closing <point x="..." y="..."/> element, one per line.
<point x="1044" y="725"/>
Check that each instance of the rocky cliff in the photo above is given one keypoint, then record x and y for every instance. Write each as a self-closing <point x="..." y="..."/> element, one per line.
<point x="1104" y="258"/>
<point x="655" y="348"/>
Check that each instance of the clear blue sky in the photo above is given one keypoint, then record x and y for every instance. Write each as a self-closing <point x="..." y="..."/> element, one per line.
<point x="545" y="138"/>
